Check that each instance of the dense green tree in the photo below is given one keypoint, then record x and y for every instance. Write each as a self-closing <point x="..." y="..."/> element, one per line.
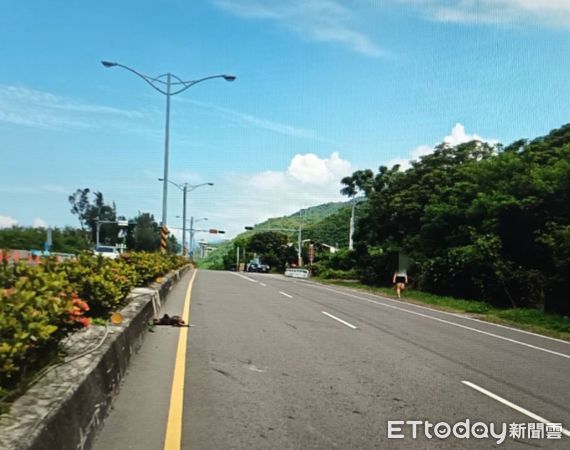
<point x="480" y="221"/>
<point x="145" y="235"/>
<point x="89" y="211"/>
<point x="273" y="248"/>
<point x="64" y="240"/>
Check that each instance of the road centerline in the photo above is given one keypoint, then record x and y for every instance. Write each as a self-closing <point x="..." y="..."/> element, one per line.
<point x="344" y="322"/>
<point x="511" y="405"/>
<point x="173" y="437"/>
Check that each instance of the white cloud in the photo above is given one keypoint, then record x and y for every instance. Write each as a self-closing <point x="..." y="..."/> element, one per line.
<point x="310" y="169"/>
<point x="55" y="189"/>
<point x="39" y="109"/>
<point x="39" y="223"/>
<point x="239" y="118"/>
<point x="456" y="137"/>
<point x="246" y="200"/>
<point x="317" y="20"/>
<point x="7" y="222"/>
<point x="551" y="12"/>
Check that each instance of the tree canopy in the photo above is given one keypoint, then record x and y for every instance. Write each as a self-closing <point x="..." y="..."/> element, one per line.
<point x="479" y="221"/>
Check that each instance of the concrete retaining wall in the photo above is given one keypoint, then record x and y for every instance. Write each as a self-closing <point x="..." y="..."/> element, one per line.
<point x="65" y="409"/>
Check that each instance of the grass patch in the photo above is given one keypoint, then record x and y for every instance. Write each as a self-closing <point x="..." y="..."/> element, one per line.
<point x="552" y="325"/>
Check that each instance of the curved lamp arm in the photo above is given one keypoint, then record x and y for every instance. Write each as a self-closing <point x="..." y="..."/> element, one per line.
<point x="153" y="81"/>
<point x="191" y="188"/>
<point x="149" y="80"/>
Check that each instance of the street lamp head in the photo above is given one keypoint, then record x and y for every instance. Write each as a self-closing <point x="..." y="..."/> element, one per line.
<point x="161" y="179"/>
<point x="229" y="77"/>
<point x="108" y="64"/>
<point x="210" y="184"/>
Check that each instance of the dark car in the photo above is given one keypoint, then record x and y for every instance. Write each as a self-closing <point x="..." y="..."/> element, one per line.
<point x="261" y="268"/>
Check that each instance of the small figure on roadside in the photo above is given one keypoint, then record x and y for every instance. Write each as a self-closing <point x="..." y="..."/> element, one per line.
<point x="400" y="279"/>
<point x="175" y="321"/>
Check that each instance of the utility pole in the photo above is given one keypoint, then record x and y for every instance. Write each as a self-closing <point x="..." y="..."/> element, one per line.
<point x="299" y="255"/>
<point x="237" y="259"/>
<point x="191" y="232"/>
<point x="351" y="232"/>
<point x="184" y="192"/>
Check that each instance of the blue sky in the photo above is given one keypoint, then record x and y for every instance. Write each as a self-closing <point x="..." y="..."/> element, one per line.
<point x="324" y="87"/>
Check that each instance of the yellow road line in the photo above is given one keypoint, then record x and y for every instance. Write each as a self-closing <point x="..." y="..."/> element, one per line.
<point x="173" y="437"/>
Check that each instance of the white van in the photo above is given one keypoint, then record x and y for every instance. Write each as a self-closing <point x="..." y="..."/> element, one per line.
<point x="297" y="273"/>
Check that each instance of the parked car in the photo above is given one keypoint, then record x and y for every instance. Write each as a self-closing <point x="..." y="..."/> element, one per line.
<point x="255" y="267"/>
<point x="106" y="251"/>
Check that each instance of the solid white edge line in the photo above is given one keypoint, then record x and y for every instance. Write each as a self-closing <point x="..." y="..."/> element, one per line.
<point x="244" y="277"/>
<point x="339" y="320"/>
<point x="285" y="294"/>
<point x="526" y="412"/>
<point x="563" y="355"/>
<point x="459" y="315"/>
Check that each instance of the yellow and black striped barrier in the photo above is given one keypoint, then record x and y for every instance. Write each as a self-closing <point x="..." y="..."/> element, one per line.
<point x="163" y="238"/>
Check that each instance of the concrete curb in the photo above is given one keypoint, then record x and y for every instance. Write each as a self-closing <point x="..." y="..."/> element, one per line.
<point x="65" y="409"/>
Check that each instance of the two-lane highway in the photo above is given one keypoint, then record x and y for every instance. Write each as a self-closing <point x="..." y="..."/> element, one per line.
<point x="272" y="362"/>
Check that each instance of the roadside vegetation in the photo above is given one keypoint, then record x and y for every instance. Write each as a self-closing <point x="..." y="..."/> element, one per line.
<point x="477" y="221"/>
<point x="141" y="234"/>
<point x="481" y="228"/>
<point x="41" y="304"/>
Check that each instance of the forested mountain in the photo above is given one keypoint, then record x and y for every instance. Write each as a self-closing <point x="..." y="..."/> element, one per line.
<point x="307" y="217"/>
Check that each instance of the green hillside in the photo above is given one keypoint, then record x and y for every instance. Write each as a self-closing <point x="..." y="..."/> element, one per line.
<point x="305" y="217"/>
<point x="315" y="221"/>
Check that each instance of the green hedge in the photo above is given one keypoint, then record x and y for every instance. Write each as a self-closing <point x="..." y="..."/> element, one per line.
<point x="40" y="305"/>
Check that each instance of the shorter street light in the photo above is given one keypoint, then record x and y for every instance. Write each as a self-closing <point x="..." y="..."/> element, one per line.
<point x="192" y="222"/>
<point x="185" y="188"/>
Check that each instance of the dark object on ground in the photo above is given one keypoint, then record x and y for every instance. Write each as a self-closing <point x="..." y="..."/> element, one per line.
<point x="175" y="321"/>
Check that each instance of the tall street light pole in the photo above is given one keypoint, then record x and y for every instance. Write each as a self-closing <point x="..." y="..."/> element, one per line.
<point x="185" y="188"/>
<point x="179" y="86"/>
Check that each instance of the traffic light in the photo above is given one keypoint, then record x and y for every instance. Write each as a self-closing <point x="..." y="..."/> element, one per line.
<point x="248" y="228"/>
<point x="216" y="231"/>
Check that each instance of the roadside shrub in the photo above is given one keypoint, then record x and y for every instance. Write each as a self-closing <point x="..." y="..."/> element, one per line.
<point x="150" y="266"/>
<point x="41" y="304"/>
<point x="36" y="312"/>
<point x="103" y="282"/>
<point x="332" y="274"/>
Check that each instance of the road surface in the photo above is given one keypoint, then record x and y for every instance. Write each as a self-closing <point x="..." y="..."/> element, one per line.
<point x="272" y="362"/>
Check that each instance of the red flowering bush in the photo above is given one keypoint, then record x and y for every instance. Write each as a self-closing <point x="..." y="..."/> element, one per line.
<point x="41" y="304"/>
<point x="36" y="312"/>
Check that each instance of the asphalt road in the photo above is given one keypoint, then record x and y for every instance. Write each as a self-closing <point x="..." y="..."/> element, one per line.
<point x="279" y="363"/>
